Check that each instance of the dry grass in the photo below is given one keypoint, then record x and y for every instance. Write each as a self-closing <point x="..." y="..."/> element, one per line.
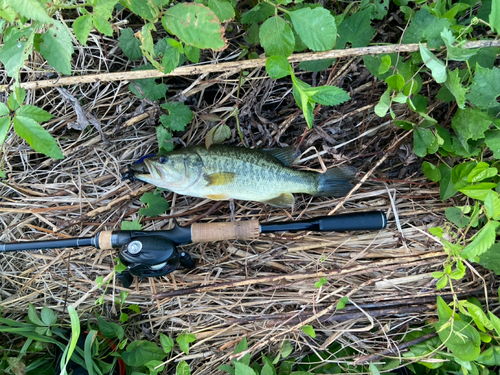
<point x="386" y="274"/>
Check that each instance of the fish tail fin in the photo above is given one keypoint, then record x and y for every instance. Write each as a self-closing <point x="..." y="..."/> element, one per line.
<point x="335" y="182"/>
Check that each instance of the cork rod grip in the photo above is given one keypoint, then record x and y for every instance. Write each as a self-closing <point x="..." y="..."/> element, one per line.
<point x="236" y="230"/>
<point x="105" y="240"/>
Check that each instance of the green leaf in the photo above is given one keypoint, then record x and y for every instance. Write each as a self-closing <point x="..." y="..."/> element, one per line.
<point x="322" y="281"/>
<point x="146" y="9"/>
<point x="470" y="123"/>
<point x="286" y="349"/>
<point x="4" y="110"/>
<point x="8" y="14"/>
<point x="424" y="142"/>
<point x="182" y="369"/>
<point x="268" y="369"/>
<point x="227" y="369"/>
<point x="491" y="356"/>
<point x="33" y="316"/>
<point x="110" y="330"/>
<point x="446" y="188"/>
<point x="276" y="37"/>
<point x="30" y="9"/>
<point x="4" y="129"/>
<point x="373" y="369"/>
<point x="490" y="260"/>
<point x="48" y="316"/>
<point x="316" y="27"/>
<point x="82" y="27"/>
<point x="179" y="116"/>
<point x="192" y="53"/>
<point x="395" y="82"/>
<point x="16" y="49"/>
<point x="431" y="171"/>
<point x="495" y="321"/>
<point x="342" y="302"/>
<point x="102" y="25"/>
<point x="436" y="66"/>
<point x="479" y="191"/>
<point x="442" y="282"/>
<point x="483" y="240"/>
<point x="385" y="64"/>
<point x="140" y="352"/>
<point x="34" y="113"/>
<point x="486" y="88"/>
<point x="492" y="140"/>
<point x="131" y="225"/>
<point x="170" y="59"/>
<point x="309" y="330"/>
<point x="426" y="27"/>
<point x="454" y="85"/>
<point x="494" y="17"/>
<point x="258" y="13"/>
<point x="57" y="47"/>
<point x="164" y="137"/>
<point x="481" y="171"/>
<point x="75" y="334"/>
<point x="243" y="369"/>
<point x="195" y="24"/>
<point x="184" y="340"/>
<point x="167" y="343"/>
<point x="478" y="316"/>
<point x="218" y="134"/>
<point x="104" y="7"/>
<point x="278" y="67"/>
<point x="148" y="87"/>
<point x="129" y="44"/>
<point x="492" y="204"/>
<point x="384" y="104"/>
<point x="327" y="95"/>
<point x="456" y="53"/>
<point x="37" y="137"/>
<point x="456" y="216"/>
<point x="222" y="9"/>
<point x="316" y="65"/>
<point x="156" y="205"/>
<point x="356" y="30"/>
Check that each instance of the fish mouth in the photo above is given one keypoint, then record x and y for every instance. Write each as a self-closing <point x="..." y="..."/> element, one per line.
<point x="136" y="171"/>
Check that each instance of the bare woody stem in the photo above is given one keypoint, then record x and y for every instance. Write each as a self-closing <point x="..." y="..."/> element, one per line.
<point x="234" y="65"/>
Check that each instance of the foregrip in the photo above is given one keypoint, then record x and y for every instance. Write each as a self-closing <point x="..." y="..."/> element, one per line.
<point x="235" y="230"/>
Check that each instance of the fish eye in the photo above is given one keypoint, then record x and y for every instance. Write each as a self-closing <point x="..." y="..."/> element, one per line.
<point x="163" y="159"/>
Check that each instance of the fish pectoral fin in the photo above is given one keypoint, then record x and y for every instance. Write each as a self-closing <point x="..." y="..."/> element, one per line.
<point x="219" y="179"/>
<point x="218" y="197"/>
<point x="282" y="200"/>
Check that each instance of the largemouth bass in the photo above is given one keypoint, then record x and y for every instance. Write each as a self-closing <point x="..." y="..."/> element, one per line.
<point x="228" y="172"/>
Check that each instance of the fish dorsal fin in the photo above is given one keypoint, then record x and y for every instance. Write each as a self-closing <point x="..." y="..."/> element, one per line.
<point x="219" y="179"/>
<point x="285" y="155"/>
<point x="282" y="200"/>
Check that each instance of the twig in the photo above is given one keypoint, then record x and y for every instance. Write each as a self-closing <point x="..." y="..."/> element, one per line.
<point x="239" y="65"/>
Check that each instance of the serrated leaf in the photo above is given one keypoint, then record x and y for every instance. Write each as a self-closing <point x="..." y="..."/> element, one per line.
<point x="57" y="47"/>
<point x="486" y="87"/>
<point x="16" y="50"/>
<point x="104" y="7"/>
<point x="276" y="37"/>
<point x="179" y="116"/>
<point x="195" y="24"/>
<point x="82" y="27"/>
<point x="356" y="30"/>
<point x="492" y="140"/>
<point x="167" y="343"/>
<point x="470" y="123"/>
<point x="37" y="137"/>
<point x="436" y="66"/>
<point x="316" y="27"/>
<point x="278" y="67"/>
<point x="146" y="9"/>
<point x="184" y="340"/>
<point x="258" y="13"/>
<point x="35" y="113"/>
<point x="483" y="240"/>
<point x="164" y="137"/>
<point x="222" y="9"/>
<point x="426" y="27"/>
<point x="4" y="128"/>
<point x="148" y="87"/>
<point x="8" y="13"/>
<point x="102" y="25"/>
<point x="129" y="44"/>
<point x="192" y="53"/>
<point x="31" y="9"/>
<point x="431" y="171"/>
<point x="218" y="134"/>
<point x="140" y="352"/>
<point x="170" y="59"/>
<point x="183" y="368"/>
<point x="131" y="225"/>
<point x="454" y="85"/>
<point x="456" y="216"/>
<point x="327" y="95"/>
<point x="156" y="205"/>
<point x="456" y="53"/>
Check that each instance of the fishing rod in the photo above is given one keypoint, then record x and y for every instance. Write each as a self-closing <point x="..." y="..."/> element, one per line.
<point x="154" y="253"/>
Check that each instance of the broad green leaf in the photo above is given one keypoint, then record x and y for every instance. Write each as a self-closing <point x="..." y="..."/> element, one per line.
<point x="179" y="116"/>
<point x="170" y="59"/>
<point x="131" y="225"/>
<point x="384" y="104"/>
<point x="478" y="316"/>
<point x="456" y="216"/>
<point x="494" y="17"/>
<point x="385" y="64"/>
<point x="481" y="171"/>
<point x="436" y="231"/>
<point x="486" y="87"/>
<point x="82" y="27"/>
<point x="492" y="140"/>
<point x="492" y="204"/>
<point x="303" y="100"/>
<point x="4" y="110"/>
<point x="4" y="128"/>
<point x="485" y="57"/>
<point x="490" y="357"/>
<point x="375" y="64"/>
<point x="31" y="9"/>
<point x="442" y="282"/>
<point x="227" y="369"/>
<point x="463" y="340"/>
<point x="218" y="134"/>
<point x="491" y="260"/>
<point x="148" y="87"/>
<point x="243" y="369"/>
<point x="373" y="369"/>
<point x="395" y="82"/>
<point x="164" y="137"/>
<point x="426" y="27"/>
<point x="446" y="189"/>
<point x="110" y="330"/>
<point x="104" y="7"/>
<point x="183" y="368"/>
<point x="268" y="369"/>
<point x="8" y="13"/>
<point x="436" y="66"/>
<point x="242" y="346"/>
<point x="35" y="113"/>
<point x="146" y="9"/>
<point x="57" y="47"/>
<point x="192" y="53"/>
<point x="479" y="191"/>
<point x="276" y="37"/>
<point x="495" y="321"/>
<point x="483" y="240"/>
<point x="48" y="316"/>
<point x="322" y="281"/>
<point x="470" y="123"/>
<point x="454" y="85"/>
<point x="156" y="205"/>
<point x="184" y="340"/>
<point x="195" y="24"/>
<point x="222" y="9"/>
<point x="33" y="316"/>
<point x="258" y="13"/>
<point x="456" y="53"/>
<point x="140" y="352"/>
<point x="460" y="173"/>
<point x="431" y="171"/>
<point x="327" y="95"/>
<point x="278" y="67"/>
<point x="378" y="8"/>
<point x="316" y="27"/>
<point x="129" y="44"/>
<point x="316" y="65"/>
<point x="286" y="349"/>
<point x="309" y="330"/>
<point x="102" y="25"/>
<point x="37" y="137"/>
<point x="167" y="343"/>
<point x="16" y="49"/>
<point x="424" y="142"/>
<point x="356" y="30"/>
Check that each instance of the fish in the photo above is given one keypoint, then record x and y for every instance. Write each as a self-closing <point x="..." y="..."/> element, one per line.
<point x="229" y="172"/>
